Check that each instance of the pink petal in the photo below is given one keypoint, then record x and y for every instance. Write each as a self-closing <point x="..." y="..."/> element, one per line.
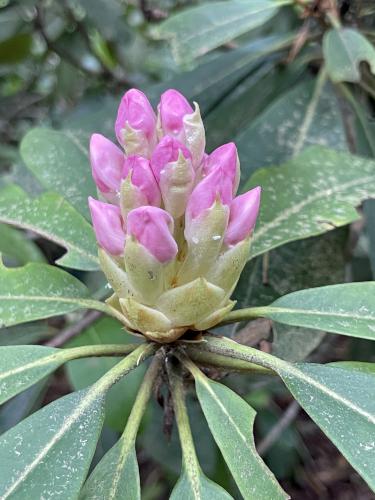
<point x="135" y="109"/>
<point x="243" y="215"/>
<point x="142" y="177"/>
<point x="173" y="107"/>
<point x="166" y="152"/>
<point x="153" y="227"/>
<point x="107" y="224"/>
<point x="216" y="186"/>
<point x="226" y="157"/>
<point x="106" y="162"/>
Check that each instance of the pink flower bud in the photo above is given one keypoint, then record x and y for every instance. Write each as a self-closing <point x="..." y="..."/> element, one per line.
<point x="136" y="122"/>
<point x="153" y="227"/>
<point x="217" y="186"/>
<point x="173" y="107"/>
<point x="107" y="224"/>
<point x="225" y="157"/>
<point x="243" y="214"/>
<point x="166" y="152"/>
<point x="106" y="162"/>
<point x="143" y="178"/>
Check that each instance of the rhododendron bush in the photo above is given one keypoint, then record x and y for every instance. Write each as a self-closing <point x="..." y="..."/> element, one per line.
<point x="175" y="258"/>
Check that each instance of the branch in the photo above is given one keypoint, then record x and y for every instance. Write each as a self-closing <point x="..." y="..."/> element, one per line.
<point x="289" y="415"/>
<point x="73" y="330"/>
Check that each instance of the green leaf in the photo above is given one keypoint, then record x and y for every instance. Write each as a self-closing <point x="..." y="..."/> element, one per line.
<point x="310" y="195"/>
<point x="197" y="30"/>
<point x="230" y="420"/>
<point x="59" y="160"/>
<point x="38" y="291"/>
<point x="23" y="366"/>
<point x="338" y="401"/>
<point x="344" y="49"/>
<point x="49" y="453"/>
<point x="116" y="477"/>
<point x="15" y="49"/>
<point x="52" y="217"/>
<point x="202" y="488"/>
<point x="306" y="115"/>
<point x="27" y="333"/>
<point x="348" y="309"/>
<point x="16" y="244"/>
<point x="84" y="372"/>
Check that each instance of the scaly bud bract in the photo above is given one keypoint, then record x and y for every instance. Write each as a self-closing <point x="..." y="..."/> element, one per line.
<point x="172" y="167"/>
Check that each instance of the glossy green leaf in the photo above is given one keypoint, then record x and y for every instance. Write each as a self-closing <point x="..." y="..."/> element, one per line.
<point x="49" y="453"/>
<point x="17" y="245"/>
<point x="310" y="195"/>
<point x="38" y="291"/>
<point x="306" y="115"/>
<point x="59" y="160"/>
<point x="348" y="309"/>
<point x="116" y="477"/>
<point x="15" y="49"/>
<point x="52" y="217"/>
<point x="197" y="30"/>
<point x="339" y="401"/>
<point x="27" y="333"/>
<point x="344" y="49"/>
<point x="201" y="488"/>
<point x="230" y="420"/>
<point x="83" y="372"/>
<point x="23" y="366"/>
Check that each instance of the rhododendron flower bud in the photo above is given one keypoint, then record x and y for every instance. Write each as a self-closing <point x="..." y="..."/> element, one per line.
<point x="173" y="108"/>
<point x="107" y="164"/>
<point x="225" y="157"/>
<point x="174" y="249"/>
<point x="139" y="186"/>
<point x="136" y="124"/>
<point x="243" y="215"/>
<point x="171" y="164"/>
<point x="178" y="119"/>
<point x="108" y="227"/>
<point x="153" y="228"/>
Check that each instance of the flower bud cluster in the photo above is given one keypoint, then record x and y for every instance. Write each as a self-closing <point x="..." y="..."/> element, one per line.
<point x="173" y="235"/>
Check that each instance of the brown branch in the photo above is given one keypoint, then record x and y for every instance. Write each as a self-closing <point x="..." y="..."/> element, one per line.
<point x="73" y="330"/>
<point x="289" y="415"/>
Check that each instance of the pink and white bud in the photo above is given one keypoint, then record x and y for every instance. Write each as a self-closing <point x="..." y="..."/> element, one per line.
<point x="153" y="227"/>
<point x="106" y="162"/>
<point x="217" y="186"/>
<point x="172" y="167"/>
<point x="225" y="157"/>
<point x="173" y="108"/>
<point x="178" y="119"/>
<point x="108" y="226"/>
<point x="142" y="178"/>
<point x="243" y="215"/>
<point x="136" y="124"/>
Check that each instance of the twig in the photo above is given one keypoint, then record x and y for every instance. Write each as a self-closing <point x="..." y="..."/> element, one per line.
<point x="290" y="414"/>
<point x="73" y="330"/>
